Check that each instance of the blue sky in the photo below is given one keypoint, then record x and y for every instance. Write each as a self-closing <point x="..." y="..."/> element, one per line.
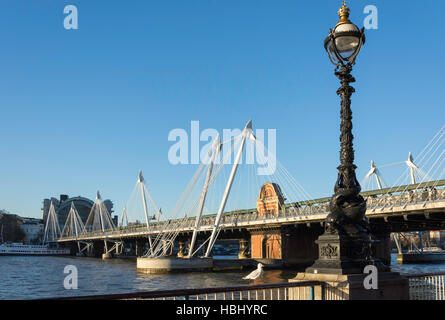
<point x="85" y="109"/>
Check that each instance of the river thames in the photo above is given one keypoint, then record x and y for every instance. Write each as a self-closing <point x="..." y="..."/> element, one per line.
<point x="41" y="277"/>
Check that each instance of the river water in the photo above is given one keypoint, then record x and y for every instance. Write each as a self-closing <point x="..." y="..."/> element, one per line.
<point x="40" y="277"/>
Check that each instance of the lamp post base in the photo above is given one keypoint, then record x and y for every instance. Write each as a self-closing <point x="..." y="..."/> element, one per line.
<point x="344" y="254"/>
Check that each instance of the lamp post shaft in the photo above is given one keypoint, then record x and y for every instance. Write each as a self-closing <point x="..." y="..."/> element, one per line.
<point x="347" y="178"/>
<point x="345" y="92"/>
<point x="347" y="207"/>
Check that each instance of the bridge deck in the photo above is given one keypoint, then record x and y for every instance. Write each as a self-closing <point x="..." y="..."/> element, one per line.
<point x="409" y="200"/>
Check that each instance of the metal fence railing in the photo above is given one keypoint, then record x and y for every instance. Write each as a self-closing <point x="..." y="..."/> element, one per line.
<point x="305" y="290"/>
<point x="427" y="286"/>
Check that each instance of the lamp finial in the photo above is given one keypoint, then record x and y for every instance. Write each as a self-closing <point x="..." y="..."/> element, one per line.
<point x="343" y="12"/>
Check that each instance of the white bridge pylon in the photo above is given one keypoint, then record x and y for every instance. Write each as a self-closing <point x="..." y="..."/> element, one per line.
<point x="225" y="182"/>
<point x="99" y="218"/>
<point x="165" y="241"/>
<point x="52" y="227"/>
<point x="413" y="169"/>
<point x="376" y="173"/>
<point x="214" y="151"/>
<point x="415" y="174"/>
<point x="429" y="165"/>
<point x="74" y="226"/>
<point x="139" y="207"/>
<point x="246" y="134"/>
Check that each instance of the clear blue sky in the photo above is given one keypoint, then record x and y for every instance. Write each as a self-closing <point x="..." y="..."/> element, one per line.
<point x="85" y="109"/>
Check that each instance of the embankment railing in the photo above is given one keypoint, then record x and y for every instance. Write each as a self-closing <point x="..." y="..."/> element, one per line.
<point x="305" y="290"/>
<point x="429" y="286"/>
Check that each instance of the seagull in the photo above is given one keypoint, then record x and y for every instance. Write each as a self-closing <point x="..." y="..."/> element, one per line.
<point x="255" y="273"/>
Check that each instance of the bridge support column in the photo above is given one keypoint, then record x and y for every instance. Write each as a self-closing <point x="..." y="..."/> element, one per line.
<point x="106" y="256"/>
<point x="243" y="249"/>
<point x="266" y="244"/>
<point x="74" y="247"/>
<point x="290" y="246"/>
<point x="181" y="252"/>
<point x="383" y="247"/>
<point x="139" y="247"/>
<point x="167" y="251"/>
<point x="97" y="249"/>
<point x="210" y="255"/>
<point x="119" y="249"/>
<point x="299" y="247"/>
<point x="90" y="249"/>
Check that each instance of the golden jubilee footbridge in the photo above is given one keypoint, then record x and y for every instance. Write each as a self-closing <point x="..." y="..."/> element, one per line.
<point x="276" y="228"/>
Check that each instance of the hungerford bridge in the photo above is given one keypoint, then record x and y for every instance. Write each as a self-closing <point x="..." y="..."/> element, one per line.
<point x="277" y="231"/>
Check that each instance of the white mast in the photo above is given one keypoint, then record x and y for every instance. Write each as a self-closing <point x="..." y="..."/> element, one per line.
<point x="124" y="217"/>
<point x="412" y="167"/>
<point x="99" y="215"/>
<point x="247" y="133"/>
<point x="73" y="225"/>
<point x="101" y="219"/>
<point x="144" y="201"/>
<point x="215" y="149"/>
<point x="100" y="212"/>
<point x="52" y="225"/>
<point x="374" y="171"/>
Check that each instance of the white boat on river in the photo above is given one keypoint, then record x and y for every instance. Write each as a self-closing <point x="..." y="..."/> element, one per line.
<point x="20" y="249"/>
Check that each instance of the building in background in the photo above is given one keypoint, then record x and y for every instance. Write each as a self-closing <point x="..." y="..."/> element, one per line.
<point x="83" y="206"/>
<point x="10" y="227"/>
<point x="33" y="230"/>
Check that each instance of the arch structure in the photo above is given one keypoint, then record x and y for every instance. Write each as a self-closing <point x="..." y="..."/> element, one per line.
<point x="270" y="200"/>
<point x="82" y="205"/>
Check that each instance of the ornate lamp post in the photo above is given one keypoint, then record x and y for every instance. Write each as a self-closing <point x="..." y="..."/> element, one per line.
<point x="347" y="207"/>
<point x="346" y="245"/>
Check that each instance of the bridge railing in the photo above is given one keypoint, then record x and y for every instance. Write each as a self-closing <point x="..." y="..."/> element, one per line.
<point x="427" y="286"/>
<point x="374" y="202"/>
<point x="405" y="198"/>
